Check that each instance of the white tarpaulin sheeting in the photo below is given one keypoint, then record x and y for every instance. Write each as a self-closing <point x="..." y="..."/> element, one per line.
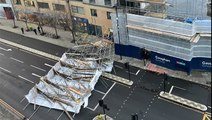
<point x="68" y="84"/>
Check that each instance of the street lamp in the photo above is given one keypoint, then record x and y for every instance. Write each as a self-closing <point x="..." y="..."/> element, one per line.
<point x="165" y="78"/>
<point x="104" y="106"/>
<point x="13" y="10"/>
<point x="134" y="117"/>
<point x="71" y="20"/>
<point x="127" y="66"/>
<point x="39" y="17"/>
<point x="117" y="23"/>
<point x="145" y="55"/>
<point x="55" y="23"/>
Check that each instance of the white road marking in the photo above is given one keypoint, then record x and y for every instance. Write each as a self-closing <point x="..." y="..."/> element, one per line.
<point x="209" y="107"/>
<point x="5" y="49"/>
<point x="33" y="113"/>
<point x="25" y="79"/>
<point x="16" y="60"/>
<point x="38" y="68"/>
<point x="105" y="95"/>
<point x="170" y="91"/>
<point x="60" y="115"/>
<point x="131" y="73"/>
<point x="102" y="98"/>
<point x="180" y="88"/>
<point x="99" y="91"/>
<point x="118" y="66"/>
<point x="22" y="100"/>
<point x="109" y="90"/>
<point x="5" y="70"/>
<point x="36" y="75"/>
<point x="74" y="115"/>
<point x="90" y="108"/>
<point x="48" y="65"/>
<point x="137" y="72"/>
<point x="2" y="54"/>
<point x="49" y="109"/>
<point x="26" y="106"/>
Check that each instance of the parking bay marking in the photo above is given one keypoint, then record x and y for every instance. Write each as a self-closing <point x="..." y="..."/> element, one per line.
<point x="175" y="87"/>
<point x="102" y="97"/>
<point x="2" y="54"/>
<point x="36" y="75"/>
<point x="99" y="92"/>
<point x="16" y="60"/>
<point x="5" y="49"/>
<point x="48" y="65"/>
<point x="118" y="66"/>
<point x="38" y="68"/>
<point x="5" y="70"/>
<point x="137" y="72"/>
<point x="25" y="79"/>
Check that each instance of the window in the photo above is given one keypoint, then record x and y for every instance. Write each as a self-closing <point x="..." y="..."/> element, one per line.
<point x="17" y="2"/>
<point x="59" y="7"/>
<point x="108" y="2"/>
<point x="2" y="1"/>
<point x="95" y="30"/>
<point x="29" y="3"/>
<point x="92" y="1"/>
<point x="93" y="12"/>
<point x="109" y="15"/>
<point x="43" y="5"/>
<point x="76" y="9"/>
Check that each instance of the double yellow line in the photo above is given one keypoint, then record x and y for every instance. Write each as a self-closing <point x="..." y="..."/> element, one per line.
<point x="11" y="109"/>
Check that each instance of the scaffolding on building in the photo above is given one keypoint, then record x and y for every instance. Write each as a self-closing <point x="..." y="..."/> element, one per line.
<point x="153" y="8"/>
<point x="173" y="35"/>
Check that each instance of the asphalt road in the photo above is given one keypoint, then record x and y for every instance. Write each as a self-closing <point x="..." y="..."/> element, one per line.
<point x="33" y="43"/>
<point x="141" y="98"/>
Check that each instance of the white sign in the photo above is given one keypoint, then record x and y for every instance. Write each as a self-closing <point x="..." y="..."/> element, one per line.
<point x="206" y="64"/>
<point x="181" y="63"/>
<point x="160" y="59"/>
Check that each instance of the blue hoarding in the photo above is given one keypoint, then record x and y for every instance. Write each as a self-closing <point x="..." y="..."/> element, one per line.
<point x="128" y="50"/>
<point x="170" y="62"/>
<point x="164" y="60"/>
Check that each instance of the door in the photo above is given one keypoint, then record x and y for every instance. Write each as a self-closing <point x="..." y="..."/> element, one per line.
<point x="8" y="12"/>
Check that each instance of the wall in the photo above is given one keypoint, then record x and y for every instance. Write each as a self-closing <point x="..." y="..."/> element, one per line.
<point x="101" y="2"/>
<point x="100" y="20"/>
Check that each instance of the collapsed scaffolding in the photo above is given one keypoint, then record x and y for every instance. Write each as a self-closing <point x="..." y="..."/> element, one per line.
<point x="69" y="83"/>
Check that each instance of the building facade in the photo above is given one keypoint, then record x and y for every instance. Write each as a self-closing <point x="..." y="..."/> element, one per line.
<point x="95" y="15"/>
<point x="177" y="42"/>
<point x="91" y="16"/>
<point x="6" y="10"/>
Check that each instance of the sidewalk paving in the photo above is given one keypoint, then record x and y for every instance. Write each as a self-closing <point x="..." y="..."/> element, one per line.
<point x="199" y="77"/>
